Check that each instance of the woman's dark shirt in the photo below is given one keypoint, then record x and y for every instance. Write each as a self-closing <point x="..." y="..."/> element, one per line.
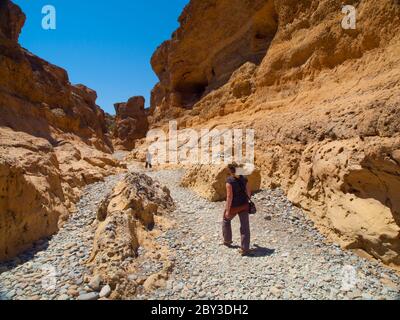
<point x="239" y="191"/>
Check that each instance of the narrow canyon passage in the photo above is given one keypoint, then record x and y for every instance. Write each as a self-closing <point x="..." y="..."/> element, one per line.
<point x="307" y="91"/>
<point x="291" y="258"/>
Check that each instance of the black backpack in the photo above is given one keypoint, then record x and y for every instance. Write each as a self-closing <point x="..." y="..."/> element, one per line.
<point x="252" y="206"/>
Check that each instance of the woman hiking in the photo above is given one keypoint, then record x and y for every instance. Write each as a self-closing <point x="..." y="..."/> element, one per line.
<point x="238" y="194"/>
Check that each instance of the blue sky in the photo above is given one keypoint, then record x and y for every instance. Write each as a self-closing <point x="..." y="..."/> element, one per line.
<point x="106" y="45"/>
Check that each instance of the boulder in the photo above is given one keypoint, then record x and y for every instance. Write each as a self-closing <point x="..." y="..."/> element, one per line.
<point x="128" y="218"/>
<point x="209" y="181"/>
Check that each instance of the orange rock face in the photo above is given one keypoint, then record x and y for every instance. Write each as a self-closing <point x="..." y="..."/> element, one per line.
<point x="323" y="101"/>
<point x="53" y="141"/>
<point x="32" y="198"/>
<point x="131" y="123"/>
<point x="206" y="50"/>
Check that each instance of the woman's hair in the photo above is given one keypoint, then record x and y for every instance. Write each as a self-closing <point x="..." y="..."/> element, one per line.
<point x="232" y="168"/>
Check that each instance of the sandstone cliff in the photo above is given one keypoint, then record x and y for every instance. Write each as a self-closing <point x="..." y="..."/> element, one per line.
<point x="131" y="123"/>
<point x="324" y="102"/>
<point x="53" y="141"/>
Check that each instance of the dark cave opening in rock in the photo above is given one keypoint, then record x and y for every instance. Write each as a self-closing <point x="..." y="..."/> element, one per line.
<point x="189" y="94"/>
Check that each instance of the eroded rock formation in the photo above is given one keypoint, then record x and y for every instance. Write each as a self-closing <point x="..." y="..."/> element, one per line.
<point x="206" y="50"/>
<point x="324" y="102"/>
<point x="31" y="194"/>
<point x="131" y="123"/>
<point x="129" y="218"/>
<point x="53" y="141"/>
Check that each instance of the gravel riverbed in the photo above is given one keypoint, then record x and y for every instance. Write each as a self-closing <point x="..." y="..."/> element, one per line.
<point x="292" y="259"/>
<point x="55" y="267"/>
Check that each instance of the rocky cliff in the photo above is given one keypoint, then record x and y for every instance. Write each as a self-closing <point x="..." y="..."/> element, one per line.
<point x="53" y="141"/>
<point x="324" y="102"/>
<point x="131" y="123"/>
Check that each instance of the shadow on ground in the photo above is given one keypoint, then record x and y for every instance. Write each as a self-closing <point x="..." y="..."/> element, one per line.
<point x="24" y="257"/>
<point x="259" y="252"/>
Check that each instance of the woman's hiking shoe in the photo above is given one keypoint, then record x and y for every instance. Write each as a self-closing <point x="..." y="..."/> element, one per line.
<point x="246" y="253"/>
<point x="228" y="245"/>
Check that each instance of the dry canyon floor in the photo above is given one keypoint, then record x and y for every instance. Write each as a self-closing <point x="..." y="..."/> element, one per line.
<point x="292" y="259"/>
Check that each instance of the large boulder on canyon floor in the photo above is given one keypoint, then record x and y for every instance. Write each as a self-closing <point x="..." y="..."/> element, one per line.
<point x="132" y="215"/>
<point x="130" y="124"/>
<point x="209" y="181"/>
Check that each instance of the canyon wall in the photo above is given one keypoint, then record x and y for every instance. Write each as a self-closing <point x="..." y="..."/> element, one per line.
<point x="207" y="49"/>
<point x="324" y="102"/>
<point x="131" y="123"/>
<point x="53" y="141"/>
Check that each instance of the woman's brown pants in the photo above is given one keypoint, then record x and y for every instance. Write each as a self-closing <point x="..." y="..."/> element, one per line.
<point x="244" y="226"/>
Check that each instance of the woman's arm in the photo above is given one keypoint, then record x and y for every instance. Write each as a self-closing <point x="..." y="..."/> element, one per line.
<point x="229" y="198"/>
<point x="248" y="190"/>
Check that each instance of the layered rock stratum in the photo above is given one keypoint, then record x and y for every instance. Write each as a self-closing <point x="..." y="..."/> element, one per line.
<point x="53" y="141"/>
<point x="324" y="102"/>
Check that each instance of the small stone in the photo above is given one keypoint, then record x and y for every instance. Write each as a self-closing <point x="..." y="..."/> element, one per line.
<point x="73" y="292"/>
<point x="354" y="294"/>
<point x="132" y="277"/>
<point x="95" y="283"/>
<point x="275" y="291"/>
<point x="89" y="296"/>
<point x="367" y="296"/>
<point x="105" y="292"/>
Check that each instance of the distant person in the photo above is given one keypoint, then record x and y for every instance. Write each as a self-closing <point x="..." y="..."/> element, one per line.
<point x="238" y="194"/>
<point x="149" y="159"/>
